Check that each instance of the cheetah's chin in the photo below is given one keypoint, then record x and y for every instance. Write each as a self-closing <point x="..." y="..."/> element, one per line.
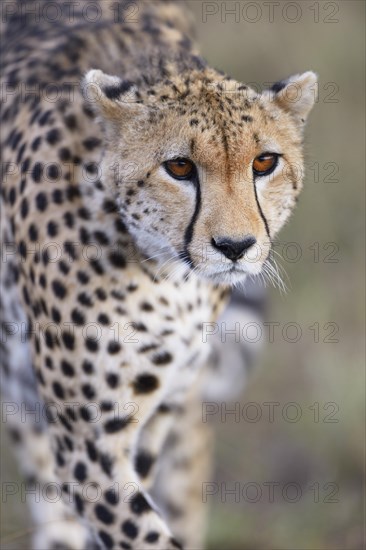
<point x="229" y="277"/>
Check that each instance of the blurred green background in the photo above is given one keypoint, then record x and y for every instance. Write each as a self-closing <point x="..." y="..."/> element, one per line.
<point x="324" y="458"/>
<point x="328" y="38"/>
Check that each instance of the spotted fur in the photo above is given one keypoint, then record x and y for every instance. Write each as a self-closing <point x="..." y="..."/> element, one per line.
<point x="110" y="271"/>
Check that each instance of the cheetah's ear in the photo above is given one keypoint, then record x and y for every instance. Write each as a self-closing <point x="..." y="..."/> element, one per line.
<point x="296" y="94"/>
<point x="110" y="96"/>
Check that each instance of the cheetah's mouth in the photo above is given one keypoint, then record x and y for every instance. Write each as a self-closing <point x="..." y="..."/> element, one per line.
<point x="231" y="275"/>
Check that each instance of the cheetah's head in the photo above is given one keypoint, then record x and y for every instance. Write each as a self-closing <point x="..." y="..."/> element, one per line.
<point x="205" y="171"/>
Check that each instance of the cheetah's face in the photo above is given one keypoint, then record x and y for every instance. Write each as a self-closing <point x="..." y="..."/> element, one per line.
<point x="205" y="171"/>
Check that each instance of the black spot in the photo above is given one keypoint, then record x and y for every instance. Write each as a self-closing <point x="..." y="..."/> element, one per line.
<point x="53" y="172"/>
<point x="145" y="383"/>
<point x="87" y="367"/>
<point x="53" y="136"/>
<point x="71" y="122"/>
<point x="88" y="391"/>
<point x="106" y="463"/>
<point x="92" y="451"/>
<point x="69" y="219"/>
<point x="113" y="347"/>
<point x="109" y="206"/>
<point x="140" y="327"/>
<point x="85" y="300"/>
<point x="117" y="259"/>
<point x="57" y="196"/>
<point x="60" y="459"/>
<point x="69" y="340"/>
<point x="49" y="339"/>
<point x="152" y="536"/>
<point x="129" y="529"/>
<point x="52" y="229"/>
<point x="91" y="143"/>
<point x="72" y="192"/>
<point x="120" y="226"/>
<point x="85" y="414"/>
<point x="103" y="514"/>
<point x="56" y="315"/>
<point x="35" y="144"/>
<point x="83" y="277"/>
<point x="64" y="154"/>
<point x="77" y="317"/>
<point x="68" y="442"/>
<point x="70" y="250"/>
<point x="118" y="295"/>
<point x="58" y="390"/>
<point x="20" y="153"/>
<point x="59" y="289"/>
<point x="79" y="503"/>
<point x="112" y="380"/>
<point x="25" y="166"/>
<point x="143" y="463"/>
<point x="45" y="256"/>
<point x="16" y="139"/>
<point x="12" y="196"/>
<point x="247" y="118"/>
<point x="84" y="235"/>
<point x="84" y="213"/>
<point x="91" y="344"/>
<point x="43" y="282"/>
<point x="116" y="424"/>
<point x="80" y="471"/>
<point x="92" y="167"/>
<point x="67" y="368"/>
<point x="103" y="319"/>
<point x="44" y="118"/>
<point x="106" y="406"/>
<point x="101" y="237"/>
<point x="49" y="363"/>
<point x="107" y="540"/>
<point x="101" y="294"/>
<point x="33" y="232"/>
<point x="41" y="202"/>
<point x="97" y="266"/>
<point x="162" y="358"/>
<point x="63" y="267"/>
<point x="145" y="306"/>
<point x="139" y="504"/>
<point x="111" y="496"/>
<point x="65" y="423"/>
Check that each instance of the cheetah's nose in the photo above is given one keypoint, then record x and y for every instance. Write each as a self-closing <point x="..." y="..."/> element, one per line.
<point x="234" y="250"/>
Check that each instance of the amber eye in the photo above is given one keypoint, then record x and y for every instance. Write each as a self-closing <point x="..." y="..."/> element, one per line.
<point x="180" y="168"/>
<point x="265" y="164"/>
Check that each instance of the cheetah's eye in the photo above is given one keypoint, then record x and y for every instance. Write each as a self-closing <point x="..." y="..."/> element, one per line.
<point x="265" y="164"/>
<point x="180" y="168"/>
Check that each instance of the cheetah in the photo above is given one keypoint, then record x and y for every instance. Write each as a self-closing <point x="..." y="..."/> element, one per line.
<point x="139" y="187"/>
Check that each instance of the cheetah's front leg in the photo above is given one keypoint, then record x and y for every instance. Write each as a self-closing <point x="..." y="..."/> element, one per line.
<point x="103" y="484"/>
